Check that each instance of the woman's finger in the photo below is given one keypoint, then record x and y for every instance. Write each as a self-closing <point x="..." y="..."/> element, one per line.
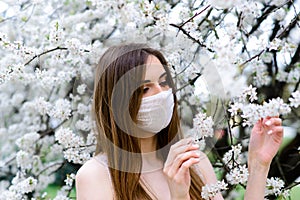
<point x="173" y="167"/>
<point x="180" y="147"/>
<point x="184" y="169"/>
<point x="182" y="142"/>
<point x="175" y="152"/>
<point x="272" y="122"/>
<point x="278" y="130"/>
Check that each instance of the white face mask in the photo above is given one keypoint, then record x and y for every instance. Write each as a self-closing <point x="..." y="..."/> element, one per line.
<point x="156" y="111"/>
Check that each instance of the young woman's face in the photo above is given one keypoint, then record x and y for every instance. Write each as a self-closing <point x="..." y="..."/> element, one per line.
<point x="155" y="77"/>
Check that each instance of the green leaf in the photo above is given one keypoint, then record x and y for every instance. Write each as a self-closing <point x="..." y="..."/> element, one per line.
<point x="56" y="25"/>
<point x="24" y="19"/>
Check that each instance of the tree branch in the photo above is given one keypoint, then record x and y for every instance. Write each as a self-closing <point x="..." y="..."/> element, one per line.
<point x="195" y="15"/>
<point x="252" y="58"/>
<point x="192" y="38"/>
<point x="43" y="53"/>
<point x="291" y="25"/>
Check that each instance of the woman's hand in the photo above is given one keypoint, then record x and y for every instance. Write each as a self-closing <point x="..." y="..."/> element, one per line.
<point x="181" y="157"/>
<point x="266" y="137"/>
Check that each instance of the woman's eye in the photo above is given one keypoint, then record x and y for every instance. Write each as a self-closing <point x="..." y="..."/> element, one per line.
<point x="164" y="83"/>
<point x="145" y="90"/>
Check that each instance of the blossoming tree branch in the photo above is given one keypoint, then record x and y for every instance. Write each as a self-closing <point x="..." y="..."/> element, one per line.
<point x="245" y="53"/>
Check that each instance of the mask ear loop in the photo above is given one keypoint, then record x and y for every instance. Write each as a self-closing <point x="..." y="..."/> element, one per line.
<point x="197" y="140"/>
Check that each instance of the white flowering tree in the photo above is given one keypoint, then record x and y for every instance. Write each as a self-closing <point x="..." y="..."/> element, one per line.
<point x="245" y="53"/>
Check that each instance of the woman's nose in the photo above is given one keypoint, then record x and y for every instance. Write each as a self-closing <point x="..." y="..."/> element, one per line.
<point x="157" y="88"/>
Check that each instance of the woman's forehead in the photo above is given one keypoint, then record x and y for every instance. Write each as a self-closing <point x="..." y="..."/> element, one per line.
<point x="154" y="68"/>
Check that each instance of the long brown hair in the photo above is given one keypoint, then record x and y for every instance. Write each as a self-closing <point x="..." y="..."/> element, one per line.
<point x="117" y="98"/>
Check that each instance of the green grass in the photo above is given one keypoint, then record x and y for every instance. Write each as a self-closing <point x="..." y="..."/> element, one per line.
<point x="53" y="189"/>
<point x="285" y="142"/>
<point x="295" y="193"/>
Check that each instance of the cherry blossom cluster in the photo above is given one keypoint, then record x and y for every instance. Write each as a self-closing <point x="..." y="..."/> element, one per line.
<point x="203" y="126"/>
<point x="234" y="156"/>
<point x="275" y="187"/>
<point x="75" y="147"/>
<point x="295" y="99"/>
<point x="211" y="190"/>
<point x="19" y="188"/>
<point x="252" y="112"/>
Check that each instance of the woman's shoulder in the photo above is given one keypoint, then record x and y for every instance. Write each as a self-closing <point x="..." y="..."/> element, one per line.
<point x="94" y="166"/>
<point x="93" y="178"/>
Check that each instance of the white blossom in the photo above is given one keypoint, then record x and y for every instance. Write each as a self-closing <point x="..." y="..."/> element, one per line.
<point x="285" y="193"/>
<point x="277" y="2"/>
<point x="282" y="76"/>
<point x="83" y="109"/>
<point x="91" y="138"/>
<point x="279" y="14"/>
<point x="61" y="197"/>
<point x="267" y="57"/>
<point x="294" y="75"/>
<point x="85" y="124"/>
<point x="295" y="99"/>
<point x="67" y="138"/>
<point x="274" y="186"/>
<point x="211" y="190"/>
<point x="61" y="109"/>
<point x="24" y="160"/>
<point x="28" y="141"/>
<point x="224" y="4"/>
<point x="251" y="92"/>
<point x="12" y="195"/>
<point x="275" y="44"/>
<point x="234" y="156"/>
<point x="28" y="185"/>
<point x="253" y="112"/>
<point x="76" y="155"/>
<point x="56" y="35"/>
<point x="235" y="108"/>
<point x="238" y="175"/>
<point x="203" y="126"/>
<point x="70" y="179"/>
<point x="81" y="89"/>
<point x="42" y="106"/>
<point x="74" y="45"/>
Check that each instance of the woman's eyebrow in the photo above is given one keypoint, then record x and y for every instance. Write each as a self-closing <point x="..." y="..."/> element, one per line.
<point x="162" y="75"/>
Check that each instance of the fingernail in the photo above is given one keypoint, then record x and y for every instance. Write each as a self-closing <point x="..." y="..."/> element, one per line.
<point x="268" y="123"/>
<point x="269" y="132"/>
<point x="190" y="140"/>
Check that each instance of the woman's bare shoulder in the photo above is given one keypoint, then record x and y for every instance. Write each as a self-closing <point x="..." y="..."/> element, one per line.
<point x="93" y="181"/>
<point x="91" y="168"/>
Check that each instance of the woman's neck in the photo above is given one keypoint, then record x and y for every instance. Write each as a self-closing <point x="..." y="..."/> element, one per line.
<point x="148" y="144"/>
<point x="149" y="155"/>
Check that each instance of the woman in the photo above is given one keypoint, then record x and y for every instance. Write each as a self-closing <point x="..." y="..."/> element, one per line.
<point x="140" y="152"/>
